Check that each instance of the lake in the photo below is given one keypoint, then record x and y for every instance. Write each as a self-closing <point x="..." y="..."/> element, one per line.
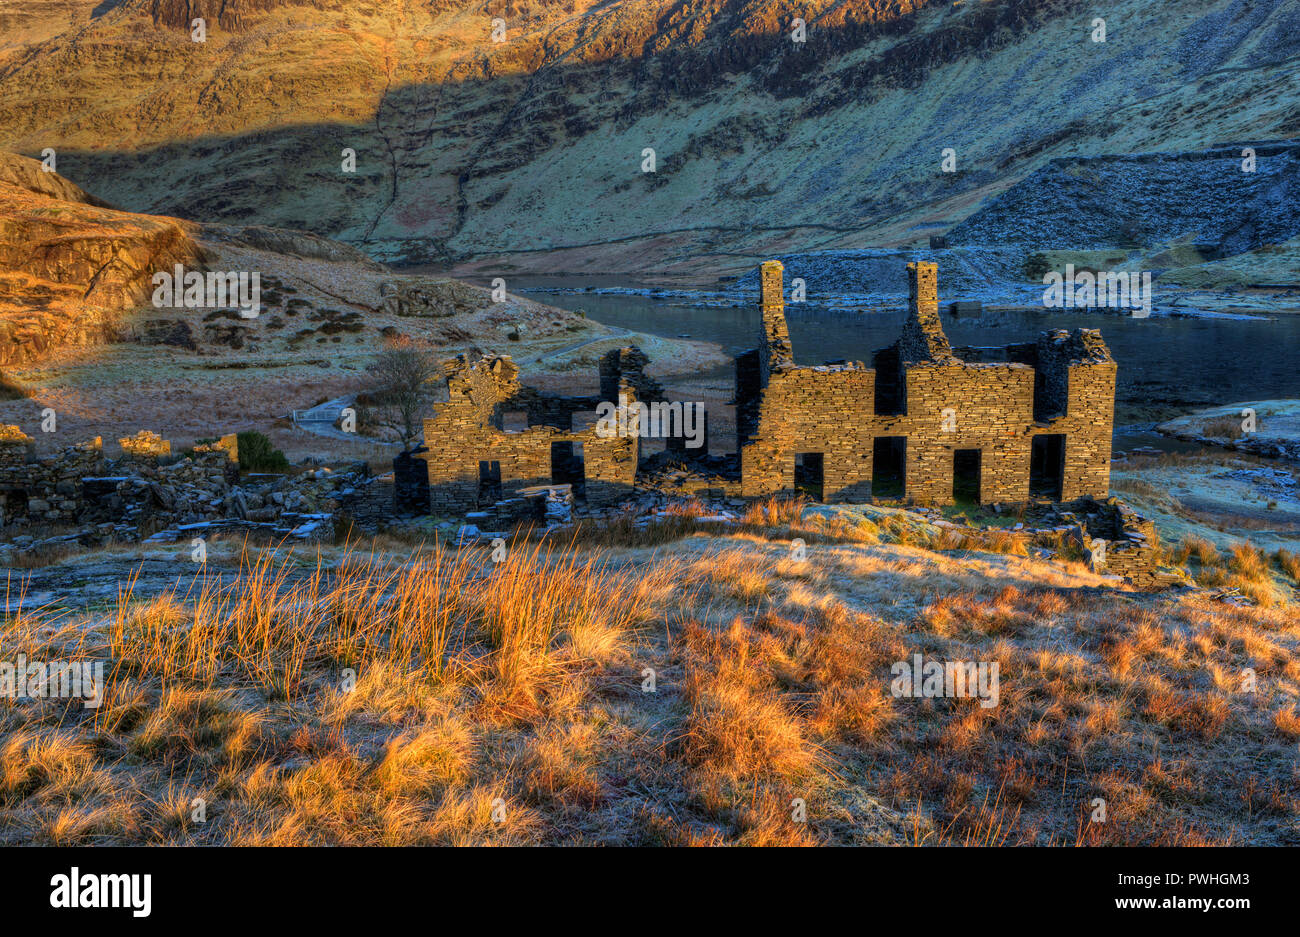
<point x="1167" y="365"/>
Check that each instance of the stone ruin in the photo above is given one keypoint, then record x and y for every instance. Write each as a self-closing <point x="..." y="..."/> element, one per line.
<point x="926" y="422"/>
<point x="1115" y="539"/>
<point x="80" y="495"/>
<point x="478" y="458"/>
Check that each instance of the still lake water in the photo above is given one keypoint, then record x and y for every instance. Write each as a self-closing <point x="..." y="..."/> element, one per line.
<point x="1167" y="366"/>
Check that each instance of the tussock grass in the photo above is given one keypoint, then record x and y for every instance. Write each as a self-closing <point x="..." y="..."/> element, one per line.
<point x="1288" y="562"/>
<point x="1244" y="569"/>
<point x="1223" y="427"/>
<point x="1200" y="549"/>
<point x="631" y="696"/>
<point x="775" y="511"/>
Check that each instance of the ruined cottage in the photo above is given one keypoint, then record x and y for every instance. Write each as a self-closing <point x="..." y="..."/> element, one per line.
<point x="925" y="422"/>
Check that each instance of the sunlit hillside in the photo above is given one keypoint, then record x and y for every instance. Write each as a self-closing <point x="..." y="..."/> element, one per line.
<point x="469" y="150"/>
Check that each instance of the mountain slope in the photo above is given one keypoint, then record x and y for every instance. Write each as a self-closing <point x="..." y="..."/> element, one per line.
<point x="1149" y="200"/>
<point x="529" y="152"/>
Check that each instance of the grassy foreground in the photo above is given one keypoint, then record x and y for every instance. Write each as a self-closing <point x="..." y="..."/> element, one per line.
<point x="718" y="691"/>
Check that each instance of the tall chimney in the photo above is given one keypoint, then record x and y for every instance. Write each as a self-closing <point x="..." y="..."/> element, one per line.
<point x="776" y="334"/>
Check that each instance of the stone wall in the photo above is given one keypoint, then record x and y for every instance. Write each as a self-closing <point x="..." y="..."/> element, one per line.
<point x="777" y="349"/>
<point x="947" y="404"/>
<point x="147" y="491"/>
<point x="46" y="490"/>
<point x="370" y="506"/>
<point x="923" y="338"/>
<point x="468" y="448"/>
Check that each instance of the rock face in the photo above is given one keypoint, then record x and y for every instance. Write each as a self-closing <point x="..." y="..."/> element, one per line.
<point x="427" y="297"/>
<point x="69" y="267"/>
<point x="287" y="242"/>
<point x="235" y="15"/>
<point x="468" y="148"/>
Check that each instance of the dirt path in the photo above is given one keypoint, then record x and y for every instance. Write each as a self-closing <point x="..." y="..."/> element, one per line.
<point x="321" y="418"/>
<point x="616" y="332"/>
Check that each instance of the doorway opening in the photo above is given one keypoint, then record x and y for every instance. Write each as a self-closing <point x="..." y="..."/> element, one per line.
<point x="809" y="474"/>
<point x="489" y="482"/>
<point x="888" y="461"/>
<point x="966" y="476"/>
<point x="567" y="467"/>
<point x="1047" y="466"/>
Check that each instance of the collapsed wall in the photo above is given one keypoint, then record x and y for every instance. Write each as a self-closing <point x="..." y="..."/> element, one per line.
<point x="146" y="493"/>
<point x="1115" y="539"/>
<point x="473" y="459"/>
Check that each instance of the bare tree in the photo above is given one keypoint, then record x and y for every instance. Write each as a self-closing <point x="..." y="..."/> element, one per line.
<point x="404" y="374"/>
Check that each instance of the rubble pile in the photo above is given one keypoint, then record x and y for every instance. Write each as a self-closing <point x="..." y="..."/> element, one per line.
<point x="79" y="495"/>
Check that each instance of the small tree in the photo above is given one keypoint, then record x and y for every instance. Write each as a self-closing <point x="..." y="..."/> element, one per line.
<point x="405" y="373"/>
<point x="256" y="454"/>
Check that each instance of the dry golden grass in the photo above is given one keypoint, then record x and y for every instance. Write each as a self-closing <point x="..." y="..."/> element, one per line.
<point x="774" y="512"/>
<point x="1289" y="563"/>
<point x="1247" y="561"/>
<point x="996" y="541"/>
<point x="727" y="693"/>
<point x="1198" y="548"/>
<point x="1223" y="427"/>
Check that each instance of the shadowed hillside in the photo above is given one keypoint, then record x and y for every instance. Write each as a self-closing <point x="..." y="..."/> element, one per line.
<point x="474" y="151"/>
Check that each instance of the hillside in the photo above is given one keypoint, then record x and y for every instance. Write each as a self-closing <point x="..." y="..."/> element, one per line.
<point x="528" y="152"/>
<point x="1148" y="200"/>
<point x="80" y="332"/>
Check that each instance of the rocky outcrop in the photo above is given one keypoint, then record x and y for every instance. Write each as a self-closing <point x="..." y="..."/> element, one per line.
<point x="289" y="242"/>
<point x="428" y="297"/>
<point x="234" y="15"/>
<point x="31" y="176"/>
<point x="69" y="267"/>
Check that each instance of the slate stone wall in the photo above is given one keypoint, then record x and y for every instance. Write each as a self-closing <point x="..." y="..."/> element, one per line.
<point x="466" y="431"/>
<point x="946" y="404"/>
